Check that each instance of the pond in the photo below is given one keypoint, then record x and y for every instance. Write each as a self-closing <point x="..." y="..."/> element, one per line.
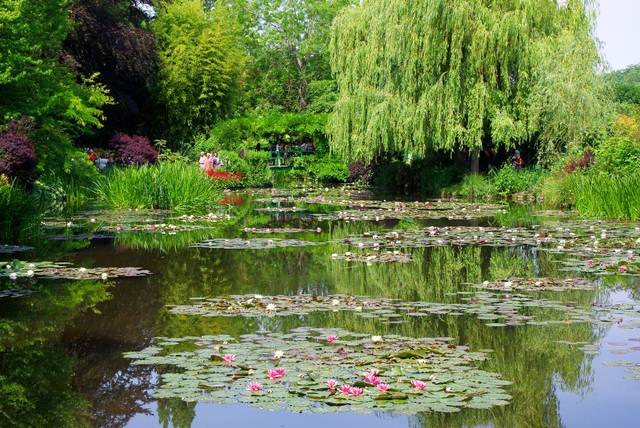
<point x="424" y="313"/>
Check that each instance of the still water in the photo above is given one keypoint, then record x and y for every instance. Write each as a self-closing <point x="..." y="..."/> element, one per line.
<point x="62" y="347"/>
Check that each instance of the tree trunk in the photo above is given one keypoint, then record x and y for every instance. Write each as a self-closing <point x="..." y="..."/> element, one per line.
<point x="475" y="161"/>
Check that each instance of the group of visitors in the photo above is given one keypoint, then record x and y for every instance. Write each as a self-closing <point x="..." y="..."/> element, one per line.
<point x="209" y="162"/>
<point x="101" y="162"/>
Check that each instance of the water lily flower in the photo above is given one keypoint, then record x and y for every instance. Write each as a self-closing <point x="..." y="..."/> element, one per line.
<point x="13" y="276"/>
<point x="254" y="387"/>
<point x="418" y="384"/>
<point x="278" y="354"/>
<point x="376" y="339"/>
<point x="630" y="257"/>
<point x="371" y="378"/>
<point x="345" y="389"/>
<point x="332" y="338"/>
<point x="82" y="270"/>
<point x="431" y="378"/>
<point x="229" y="358"/>
<point x="332" y="384"/>
<point x="30" y="265"/>
<point x="448" y="389"/>
<point x="622" y="269"/>
<point x="335" y="302"/>
<point x="69" y="224"/>
<point x="276" y="373"/>
<point x="104" y="276"/>
<point x="318" y="230"/>
<point x="257" y="296"/>
<point x="590" y="262"/>
<point x="356" y="392"/>
<point x="271" y="307"/>
<point x="382" y="387"/>
<point x="29" y="273"/>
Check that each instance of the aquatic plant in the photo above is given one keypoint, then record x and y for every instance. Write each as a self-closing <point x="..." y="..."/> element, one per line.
<point x="420" y="374"/>
<point x="175" y="186"/>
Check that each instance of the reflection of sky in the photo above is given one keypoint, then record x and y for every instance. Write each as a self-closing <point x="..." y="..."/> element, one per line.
<point x="611" y="396"/>
<point x="619" y="31"/>
<point x="240" y="416"/>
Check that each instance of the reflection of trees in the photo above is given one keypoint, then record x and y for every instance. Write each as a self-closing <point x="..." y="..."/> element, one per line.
<point x="176" y="413"/>
<point x="35" y="372"/>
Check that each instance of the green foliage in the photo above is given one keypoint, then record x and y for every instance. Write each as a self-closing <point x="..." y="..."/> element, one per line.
<point x="202" y="62"/>
<point x="626" y="84"/>
<point x="618" y="155"/>
<point x="20" y="212"/>
<point x="603" y="195"/>
<point x="475" y="187"/>
<point x="288" y="46"/>
<point x="419" y="176"/>
<point x="508" y="180"/>
<point x="247" y="132"/>
<point x="556" y="190"/>
<point x="323" y="169"/>
<point x="253" y="165"/>
<point x="33" y="81"/>
<point x="176" y="186"/>
<point x="450" y="75"/>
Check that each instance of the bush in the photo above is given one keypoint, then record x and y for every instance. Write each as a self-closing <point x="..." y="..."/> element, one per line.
<point x="359" y="172"/>
<point x="20" y="211"/>
<point x="620" y="155"/>
<point x="176" y="186"/>
<point x="133" y="149"/>
<point x="475" y="187"/>
<point x="508" y="180"/>
<point x="17" y="155"/>
<point x="323" y="169"/>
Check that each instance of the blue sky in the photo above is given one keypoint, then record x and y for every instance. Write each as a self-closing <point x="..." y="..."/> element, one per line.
<point x="619" y="31"/>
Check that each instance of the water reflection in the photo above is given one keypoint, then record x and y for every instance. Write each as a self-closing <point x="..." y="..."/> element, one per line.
<point x="70" y="367"/>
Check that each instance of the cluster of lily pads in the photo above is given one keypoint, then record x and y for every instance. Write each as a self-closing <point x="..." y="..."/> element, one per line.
<point x="283" y="230"/>
<point x="633" y="369"/>
<point x="252" y="244"/>
<point x="59" y="270"/>
<point x="537" y="284"/>
<point x="495" y="309"/>
<point x="369" y="258"/>
<point x="280" y="209"/>
<point x="316" y="370"/>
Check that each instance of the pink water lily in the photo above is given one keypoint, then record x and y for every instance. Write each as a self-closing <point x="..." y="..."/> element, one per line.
<point x="590" y="262"/>
<point x="371" y="378"/>
<point x="382" y="387"/>
<point x="332" y="338"/>
<point x="229" y="358"/>
<point x="355" y="391"/>
<point x="418" y="384"/>
<point x="622" y="269"/>
<point x="276" y="373"/>
<point x="375" y="372"/>
<point x="254" y="387"/>
<point x="332" y="384"/>
<point x="345" y="389"/>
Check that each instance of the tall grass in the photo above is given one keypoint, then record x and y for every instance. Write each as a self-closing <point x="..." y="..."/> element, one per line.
<point x="173" y="186"/>
<point x="607" y="196"/>
<point x="20" y="213"/>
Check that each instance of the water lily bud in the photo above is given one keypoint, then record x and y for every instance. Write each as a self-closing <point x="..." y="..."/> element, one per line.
<point x="376" y="339"/>
<point x="104" y="276"/>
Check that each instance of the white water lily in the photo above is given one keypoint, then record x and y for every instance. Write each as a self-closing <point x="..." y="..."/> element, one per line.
<point x="271" y="307"/>
<point x="257" y="296"/>
<point x="104" y="276"/>
<point x="485" y="283"/>
<point x="278" y="354"/>
<point x="69" y="224"/>
<point x="376" y="339"/>
<point x="318" y="230"/>
<point x="358" y="309"/>
<point x="360" y="245"/>
<point x="29" y="273"/>
<point x="31" y="265"/>
<point x="335" y="302"/>
<point x="82" y="270"/>
<point x="508" y="284"/>
<point x="13" y="276"/>
<point x="334" y="256"/>
<point x="93" y="220"/>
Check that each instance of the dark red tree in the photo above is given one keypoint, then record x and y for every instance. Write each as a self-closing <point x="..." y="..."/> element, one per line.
<point x="133" y="149"/>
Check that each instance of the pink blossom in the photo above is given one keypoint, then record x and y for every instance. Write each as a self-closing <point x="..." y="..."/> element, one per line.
<point x="371" y="378"/>
<point x="332" y="384"/>
<point x="382" y="387"/>
<point x="375" y="372"/>
<point x="276" y="373"/>
<point x="355" y="391"/>
<point x="332" y="339"/>
<point x="630" y="257"/>
<point x="254" y="387"/>
<point x="590" y="262"/>
<point x="229" y="358"/>
<point x="622" y="269"/>
<point x="345" y="389"/>
<point x="418" y="384"/>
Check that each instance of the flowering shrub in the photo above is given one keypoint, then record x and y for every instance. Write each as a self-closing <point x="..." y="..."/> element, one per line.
<point x="225" y="176"/>
<point x="17" y="155"/>
<point x="133" y="149"/>
<point x="583" y="162"/>
<point x="359" y="172"/>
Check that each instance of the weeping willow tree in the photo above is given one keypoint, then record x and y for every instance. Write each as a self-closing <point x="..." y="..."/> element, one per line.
<point x="423" y="75"/>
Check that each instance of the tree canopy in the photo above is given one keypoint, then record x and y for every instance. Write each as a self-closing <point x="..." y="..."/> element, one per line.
<point x="417" y="76"/>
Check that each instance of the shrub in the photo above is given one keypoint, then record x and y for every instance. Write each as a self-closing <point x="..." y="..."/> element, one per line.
<point x="324" y="169"/>
<point x="618" y="155"/>
<point x="176" y="186"/>
<point x="133" y="149"/>
<point x="17" y="155"/>
<point x="582" y="162"/>
<point x="508" y="180"/>
<point x="475" y="187"/>
<point x="20" y="211"/>
<point x="359" y="172"/>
